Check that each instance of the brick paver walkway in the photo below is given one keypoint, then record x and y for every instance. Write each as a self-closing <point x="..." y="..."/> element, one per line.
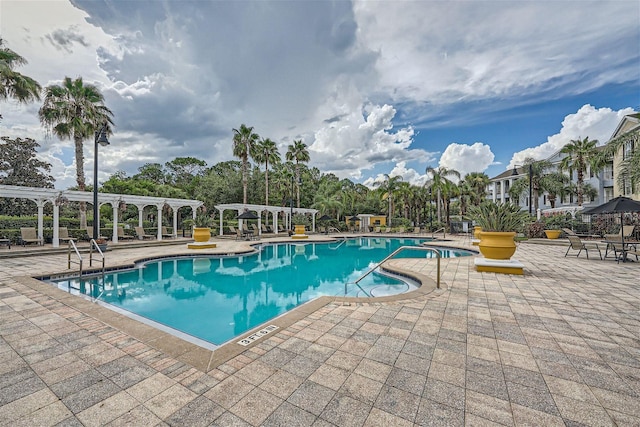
<point x="558" y="346"/>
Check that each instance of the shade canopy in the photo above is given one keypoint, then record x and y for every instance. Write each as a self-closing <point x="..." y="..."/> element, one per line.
<point x="354" y="218"/>
<point x="325" y="217"/>
<point x="247" y="215"/>
<point x="620" y="204"/>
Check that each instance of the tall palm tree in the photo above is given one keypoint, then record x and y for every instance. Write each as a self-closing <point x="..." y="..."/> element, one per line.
<point x="298" y="152"/>
<point x="439" y="179"/>
<point x="13" y="84"/>
<point x="266" y="151"/>
<point x="75" y="111"/>
<point x="244" y="141"/>
<point x="478" y="182"/>
<point x="579" y="154"/>
<point x="388" y="187"/>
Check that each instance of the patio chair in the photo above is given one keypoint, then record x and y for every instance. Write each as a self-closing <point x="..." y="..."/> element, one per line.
<point x="416" y="230"/>
<point x="90" y="234"/>
<point x="376" y="229"/>
<point x="165" y="232"/>
<point x="29" y="235"/>
<point x="63" y="235"/>
<point x="122" y="235"/>
<point x="142" y="235"/>
<point x="577" y="244"/>
<point x="388" y="230"/>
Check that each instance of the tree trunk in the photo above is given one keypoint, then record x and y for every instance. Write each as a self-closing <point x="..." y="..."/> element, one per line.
<point x="244" y="180"/>
<point x="80" y="179"/>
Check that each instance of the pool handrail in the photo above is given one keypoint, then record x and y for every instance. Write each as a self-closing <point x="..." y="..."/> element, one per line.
<point x="402" y="248"/>
<point x="72" y="244"/>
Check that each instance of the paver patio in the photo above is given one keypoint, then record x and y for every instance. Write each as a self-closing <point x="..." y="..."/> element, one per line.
<point x="557" y="346"/>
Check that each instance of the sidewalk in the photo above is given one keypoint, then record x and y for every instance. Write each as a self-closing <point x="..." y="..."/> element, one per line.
<point x="557" y="346"/>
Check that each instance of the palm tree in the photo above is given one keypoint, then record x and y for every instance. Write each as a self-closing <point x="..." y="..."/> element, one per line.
<point x="298" y="152"/>
<point x="580" y="153"/>
<point x="439" y="178"/>
<point x="389" y="186"/>
<point x="555" y="184"/>
<point x="13" y="84"/>
<point x="75" y="111"/>
<point x="244" y="141"/>
<point x="266" y="151"/>
<point x="478" y="182"/>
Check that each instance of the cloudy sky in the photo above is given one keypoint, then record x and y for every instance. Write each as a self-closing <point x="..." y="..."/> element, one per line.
<point x="371" y="87"/>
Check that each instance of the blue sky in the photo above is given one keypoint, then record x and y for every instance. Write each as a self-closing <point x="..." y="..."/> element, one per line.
<point x="372" y="88"/>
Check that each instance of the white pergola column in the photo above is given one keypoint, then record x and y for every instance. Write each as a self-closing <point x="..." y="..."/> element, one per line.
<point x="56" y="223"/>
<point x="221" y="231"/>
<point x="159" y="220"/>
<point x="115" y="207"/>
<point x="40" y="203"/>
<point x="140" y="213"/>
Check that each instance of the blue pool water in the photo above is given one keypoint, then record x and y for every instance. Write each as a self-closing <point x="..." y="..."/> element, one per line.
<point x="218" y="298"/>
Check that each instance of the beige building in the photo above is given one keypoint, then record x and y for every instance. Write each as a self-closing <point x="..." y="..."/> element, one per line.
<point x="627" y="124"/>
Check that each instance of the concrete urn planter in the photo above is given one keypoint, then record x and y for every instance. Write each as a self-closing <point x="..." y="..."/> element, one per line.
<point x="497" y="244"/>
<point x="201" y="234"/>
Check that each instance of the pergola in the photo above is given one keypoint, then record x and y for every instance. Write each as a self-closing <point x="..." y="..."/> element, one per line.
<point x="42" y="196"/>
<point x="274" y="210"/>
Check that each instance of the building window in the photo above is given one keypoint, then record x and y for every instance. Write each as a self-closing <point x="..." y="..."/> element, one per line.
<point x="628" y="150"/>
<point x="627" y="187"/>
<point x="607" y="171"/>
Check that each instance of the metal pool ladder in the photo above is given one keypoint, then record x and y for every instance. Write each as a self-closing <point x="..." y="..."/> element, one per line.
<point x="92" y="246"/>
<point x="402" y="248"/>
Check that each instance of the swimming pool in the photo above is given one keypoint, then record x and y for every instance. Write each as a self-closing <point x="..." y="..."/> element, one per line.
<point x="218" y="298"/>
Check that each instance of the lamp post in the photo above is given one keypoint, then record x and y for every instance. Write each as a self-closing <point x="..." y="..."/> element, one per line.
<point x="291" y="204"/>
<point x="101" y="139"/>
<point x="430" y="213"/>
<point x="515" y="172"/>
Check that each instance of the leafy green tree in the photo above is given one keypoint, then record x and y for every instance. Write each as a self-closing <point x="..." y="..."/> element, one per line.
<point x="539" y="170"/>
<point x="555" y="184"/>
<point x="266" y="151"/>
<point x="13" y="84"/>
<point x="75" y="111"/>
<point x="184" y="173"/>
<point x="153" y="172"/>
<point x="579" y="154"/>
<point x="244" y="141"/>
<point x="20" y="166"/>
<point x="298" y="152"/>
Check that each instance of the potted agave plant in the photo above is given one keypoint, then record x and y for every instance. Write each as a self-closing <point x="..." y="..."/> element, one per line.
<point x="202" y="227"/>
<point x="499" y="222"/>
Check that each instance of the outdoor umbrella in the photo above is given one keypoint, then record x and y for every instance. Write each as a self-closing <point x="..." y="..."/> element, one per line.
<point x="619" y="205"/>
<point x="247" y="215"/>
<point x="354" y="219"/>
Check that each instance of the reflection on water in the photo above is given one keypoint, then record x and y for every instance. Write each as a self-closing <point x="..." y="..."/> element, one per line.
<point x="216" y="299"/>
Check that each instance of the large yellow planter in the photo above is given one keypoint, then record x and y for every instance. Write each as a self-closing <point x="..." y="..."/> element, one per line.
<point x="497" y="244"/>
<point x="201" y="234"/>
<point x="476" y="232"/>
<point x="299" y="229"/>
<point x="552" y="234"/>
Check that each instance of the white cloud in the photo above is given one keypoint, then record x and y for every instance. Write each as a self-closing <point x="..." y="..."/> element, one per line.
<point x="588" y="121"/>
<point x="467" y="158"/>
<point x="354" y="80"/>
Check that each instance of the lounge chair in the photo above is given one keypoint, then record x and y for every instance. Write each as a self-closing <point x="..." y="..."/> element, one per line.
<point x="577" y="244"/>
<point x="29" y="235"/>
<point x="165" y="233"/>
<point x="142" y="235"/>
<point x="90" y="234"/>
<point x="388" y="229"/>
<point x="265" y="229"/>
<point x="122" y="235"/>
<point x="376" y="229"/>
<point x="63" y="235"/>
<point x="416" y="230"/>
<point x="400" y="229"/>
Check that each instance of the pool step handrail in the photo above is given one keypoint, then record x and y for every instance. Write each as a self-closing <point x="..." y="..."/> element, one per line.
<point x="444" y="232"/>
<point x="72" y="245"/>
<point x="402" y="248"/>
<point x="94" y="245"/>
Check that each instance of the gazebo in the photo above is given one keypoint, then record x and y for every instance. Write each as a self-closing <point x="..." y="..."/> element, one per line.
<point x="274" y="210"/>
<point x="42" y="196"/>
